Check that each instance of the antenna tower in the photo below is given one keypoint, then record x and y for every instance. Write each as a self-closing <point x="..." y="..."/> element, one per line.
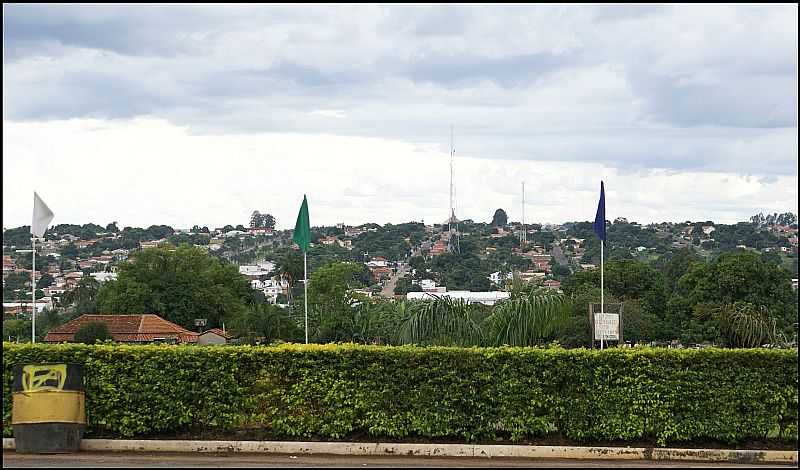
<point x="523" y="236"/>
<point x="451" y="221"/>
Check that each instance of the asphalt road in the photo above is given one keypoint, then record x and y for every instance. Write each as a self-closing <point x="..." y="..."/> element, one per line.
<point x="139" y="459"/>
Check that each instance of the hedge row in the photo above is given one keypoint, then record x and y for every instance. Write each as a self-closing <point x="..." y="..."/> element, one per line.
<point x="334" y="391"/>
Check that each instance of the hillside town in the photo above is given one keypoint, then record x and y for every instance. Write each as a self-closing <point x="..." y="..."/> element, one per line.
<point x="409" y="261"/>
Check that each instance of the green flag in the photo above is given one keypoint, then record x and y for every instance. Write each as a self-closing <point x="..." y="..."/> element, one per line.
<point x="302" y="229"/>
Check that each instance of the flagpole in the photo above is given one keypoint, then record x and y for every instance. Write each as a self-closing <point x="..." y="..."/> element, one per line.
<point x="602" y="307"/>
<point x="33" y="290"/>
<point x="305" y="286"/>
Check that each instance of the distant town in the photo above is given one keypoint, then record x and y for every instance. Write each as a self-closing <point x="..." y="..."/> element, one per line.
<point x="466" y="260"/>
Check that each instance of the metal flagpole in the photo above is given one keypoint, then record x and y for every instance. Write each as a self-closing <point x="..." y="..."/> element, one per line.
<point x="33" y="290"/>
<point x="305" y="286"/>
<point x="602" y="307"/>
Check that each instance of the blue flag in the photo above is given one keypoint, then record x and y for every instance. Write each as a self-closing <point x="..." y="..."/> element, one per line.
<point x="600" y="218"/>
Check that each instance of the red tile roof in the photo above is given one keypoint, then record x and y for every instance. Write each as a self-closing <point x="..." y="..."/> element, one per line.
<point x="125" y="329"/>
<point x="219" y="332"/>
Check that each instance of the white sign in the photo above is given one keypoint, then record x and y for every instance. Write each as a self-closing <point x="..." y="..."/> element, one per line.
<point x="606" y="326"/>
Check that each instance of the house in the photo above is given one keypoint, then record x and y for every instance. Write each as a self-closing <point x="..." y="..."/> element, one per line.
<point x="257" y="271"/>
<point x="381" y="272"/>
<point x="552" y="284"/>
<point x="260" y="231"/>
<point x="85" y="243"/>
<point x="140" y="329"/>
<point x="378" y="262"/>
<point x="531" y="275"/>
<point x="213" y="336"/>
<point x="439" y="247"/>
<point x="9" y="265"/>
<point x="150" y="244"/>
<point x="103" y="277"/>
<point x="328" y="241"/>
<point x="794" y="283"/>
<point x="498" y="278"/>
<point x="429" y="285"/>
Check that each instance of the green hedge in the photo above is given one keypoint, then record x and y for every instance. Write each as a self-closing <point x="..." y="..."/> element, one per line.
<point x="335" y="391"/>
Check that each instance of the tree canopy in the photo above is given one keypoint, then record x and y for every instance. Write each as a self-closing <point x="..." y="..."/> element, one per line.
<point x="179" y="285"/>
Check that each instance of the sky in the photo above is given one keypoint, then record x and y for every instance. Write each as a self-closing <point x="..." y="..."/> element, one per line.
<point x="184" y="115"/>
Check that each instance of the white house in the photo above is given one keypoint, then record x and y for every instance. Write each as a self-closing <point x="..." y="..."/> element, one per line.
<point x="498" y="278"/>
<point x="257" y="270"/>
<point x="103" y="277"/>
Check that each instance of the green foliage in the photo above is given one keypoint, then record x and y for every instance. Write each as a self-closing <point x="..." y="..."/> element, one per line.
<point x="527" y="319"/>
<point x="500" y="219"/>
<point x="83" y="297"/>
<point x="337" y="391"/>
<point x="390" y="241"/>
<point x="92" y="332"/>
<point x="443" y="321"/>
<point x="177" y="284"/>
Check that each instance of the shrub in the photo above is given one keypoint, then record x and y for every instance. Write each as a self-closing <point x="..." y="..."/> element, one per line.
<point x="336" y="391"/>
<point x="92" y="332"/>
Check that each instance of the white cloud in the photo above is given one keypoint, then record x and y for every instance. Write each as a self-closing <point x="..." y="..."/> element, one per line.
<point x="147" y="171"/>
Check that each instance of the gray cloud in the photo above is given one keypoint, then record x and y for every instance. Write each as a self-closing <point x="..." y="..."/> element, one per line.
<point x="630" y="87"/>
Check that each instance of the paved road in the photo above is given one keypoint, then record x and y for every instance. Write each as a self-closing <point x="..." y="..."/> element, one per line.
<point x="131" y="459"/>
<point x="388" y="289"/>
<point x="559" y="255"/>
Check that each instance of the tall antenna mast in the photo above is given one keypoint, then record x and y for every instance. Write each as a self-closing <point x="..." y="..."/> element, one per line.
<point x="523" y="236"/>
<point x="452" y="155"/>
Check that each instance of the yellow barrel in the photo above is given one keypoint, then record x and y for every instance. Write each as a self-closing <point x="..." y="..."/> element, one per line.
<point x="48" y="412"/>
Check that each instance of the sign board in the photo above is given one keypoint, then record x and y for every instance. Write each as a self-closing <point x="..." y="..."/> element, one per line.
<point x="199" y="322"/>
<point x="606" y="326"/>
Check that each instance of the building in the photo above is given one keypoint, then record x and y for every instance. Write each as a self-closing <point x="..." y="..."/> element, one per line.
<point x="213" y="336"/>
<point x="485" y="298"/>
<point x="145" y="328"/>
<point x="260" y="231"/>
<point x="552" y="284"/>
<point x="794" y="283"/>
<point x="103" y="277"/>
<point x="439" y="247"/>
<point x="378" y="262"/>
<point x="498" y="278"/>
<point x="256" y="271"/>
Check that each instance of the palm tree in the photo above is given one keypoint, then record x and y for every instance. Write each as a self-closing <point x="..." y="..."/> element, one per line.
<point x="527" y="318"/>
<point x="743" y="325"/>
<point x="442" y="321"/>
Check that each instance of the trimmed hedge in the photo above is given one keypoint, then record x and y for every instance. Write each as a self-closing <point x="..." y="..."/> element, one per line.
<point x="334" y="391"/>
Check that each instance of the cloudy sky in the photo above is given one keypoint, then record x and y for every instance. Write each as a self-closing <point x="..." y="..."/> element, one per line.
<point x="186" y="115"/>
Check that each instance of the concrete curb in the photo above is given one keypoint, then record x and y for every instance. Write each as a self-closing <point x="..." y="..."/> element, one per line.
<point x="438" y="450"/>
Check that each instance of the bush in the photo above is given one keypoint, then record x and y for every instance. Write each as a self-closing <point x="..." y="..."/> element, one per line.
<point x="92" y="332"/>
<point x="336" y="391"/>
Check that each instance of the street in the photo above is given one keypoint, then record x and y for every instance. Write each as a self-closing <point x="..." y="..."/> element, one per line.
<point x="149" y="459"/>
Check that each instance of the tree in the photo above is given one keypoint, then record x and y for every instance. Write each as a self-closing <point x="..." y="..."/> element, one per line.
<point x="92" y="332"/>
<point x="83" y="297"/>
<point x="741" y="276"/>
<point x="500" y="218"/>
<point x="443" y="321"/>
<point x="45" y="281"/>
<point x="179" y="285"/>
<point x="112" y="227"/>
<point x="268" y="323"/>
<point x="268" y="221"/>
<point x="256" y="220"/>
<point x="527" y="319"/>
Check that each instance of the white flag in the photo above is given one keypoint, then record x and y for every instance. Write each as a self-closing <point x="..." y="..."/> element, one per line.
<point x="42" y="215"/>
